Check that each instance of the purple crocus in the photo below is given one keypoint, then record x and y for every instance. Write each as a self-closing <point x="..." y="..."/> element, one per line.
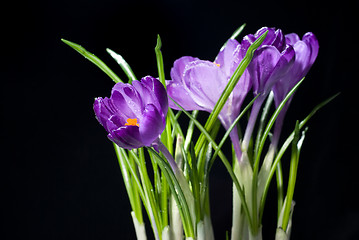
<point x="135" y="115"/>
<point x="271" y="62"/>
<point x="306" y="51"/>
<point x="197" y="85"/>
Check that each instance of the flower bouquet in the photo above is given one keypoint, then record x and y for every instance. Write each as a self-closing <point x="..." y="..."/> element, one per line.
<point x="247" y="89"/>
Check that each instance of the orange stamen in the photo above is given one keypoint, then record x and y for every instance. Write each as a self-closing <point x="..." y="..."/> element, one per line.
<point x="132" y="122"/>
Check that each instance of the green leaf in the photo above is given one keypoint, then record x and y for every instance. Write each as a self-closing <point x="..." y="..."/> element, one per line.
<point x="224" y="160"/>
<point x="95" y="60"/>
<point x="133" y="188"/>
<point x="292" y="177"/>
<point x="238" y="31"/>
<point x="271" y="123"/>
<point x="286" y="145"/>
<point x="263" y="119"/>
<point x="123" y="64"/>
<point x="195" y="185"/>
<point x="175" y="182"/>
<point x="189" y="134"/>
<point x="159" y="58"/>
<point x="260" y="148"/>
<point x="234" y="35"/>
<point x="152" y="204"/>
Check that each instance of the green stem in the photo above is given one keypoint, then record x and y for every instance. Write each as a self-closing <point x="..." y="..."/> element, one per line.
<point x="126" y="179"/>
<point x="258" y="156"/>
<point x="280" y="194"/>
<point x="159" y="58"/>
<point x="123" y="64"/>
<point x="292" y="178"/>
<point x="284" y="148"/>
<point x="225" y="162"/>
<point x="177" y="193"/>
<point x="164" y="201"/>
<point x="154" y="209"/>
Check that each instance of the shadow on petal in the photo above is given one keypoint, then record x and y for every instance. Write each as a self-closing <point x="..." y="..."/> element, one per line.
<point x="127" y="137"/>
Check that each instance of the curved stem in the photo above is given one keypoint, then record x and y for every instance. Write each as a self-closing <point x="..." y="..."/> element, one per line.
<point x="176" y="184"/>
<point x="157" y="143"/>
<point x="235" y="143"/>
<point x="252" y="121"/>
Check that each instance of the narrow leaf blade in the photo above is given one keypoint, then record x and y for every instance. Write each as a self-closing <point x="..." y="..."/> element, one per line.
<point x="95" y="60"/>
<point x="123" y="64"/>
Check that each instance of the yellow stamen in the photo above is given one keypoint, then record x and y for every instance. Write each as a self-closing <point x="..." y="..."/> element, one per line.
<point x="132" y="122"/>
<point x="218" y="65"/>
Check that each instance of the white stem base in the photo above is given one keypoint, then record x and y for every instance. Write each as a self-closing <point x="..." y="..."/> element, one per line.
<point x="139" y="228"/>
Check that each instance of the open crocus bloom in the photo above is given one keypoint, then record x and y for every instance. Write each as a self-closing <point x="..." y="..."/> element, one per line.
<point x="197" y="85"/>
<point x="135" y="115"/>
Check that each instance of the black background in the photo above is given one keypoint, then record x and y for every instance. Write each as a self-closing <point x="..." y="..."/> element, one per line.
<point x="60" y="176"/>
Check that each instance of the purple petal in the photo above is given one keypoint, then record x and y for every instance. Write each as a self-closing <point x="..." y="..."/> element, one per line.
<point x="229" y="58"/>
<point x="144" y="92"/>
<point x="240" y="92"/>
<point x="127" y="137"/>
<point x="104" y="110"/>
<point x="274" y="38"/>
<point x="270" y="35"/>
<point x="302" y="59"/>
<point x="179" y="66"/>
<point x="312" y="41"/>
<point x="306" y="52"/>
<point x="121" y="105"/>
<point x="101" y="111"/>
<point x="279" y="41"/>
<point x="178" y="93"/>
<point x="176" y="88"/>
<point x="205" y="82"/>
<point x="291" y="38"/>
<point x="114" y="122"/>
<point x="284" y="64"/>
<point x="262" y="66"/>
<point x="119" y="86"/>
<point x="151" y="125"/>
<point x="158" y="92"/>
<point x="131" y="98"/>
<point x="270" y="38"/>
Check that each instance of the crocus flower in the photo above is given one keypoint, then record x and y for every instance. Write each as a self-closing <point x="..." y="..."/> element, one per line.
<point x="306" y="51"/>
<point x="197" y="84"/>
<point x="271" y="62"/>
<point x="135" y="115"/>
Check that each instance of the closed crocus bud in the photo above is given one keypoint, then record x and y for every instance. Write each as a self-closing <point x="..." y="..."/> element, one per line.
<point x="306" y="51"/>
<point x="271" y="61"/>
<point x="135" y="115"/>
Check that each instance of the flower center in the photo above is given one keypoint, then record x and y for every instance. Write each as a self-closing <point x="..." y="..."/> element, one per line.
<point x="132" y="122"/>
<point x="218" y="65"/>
